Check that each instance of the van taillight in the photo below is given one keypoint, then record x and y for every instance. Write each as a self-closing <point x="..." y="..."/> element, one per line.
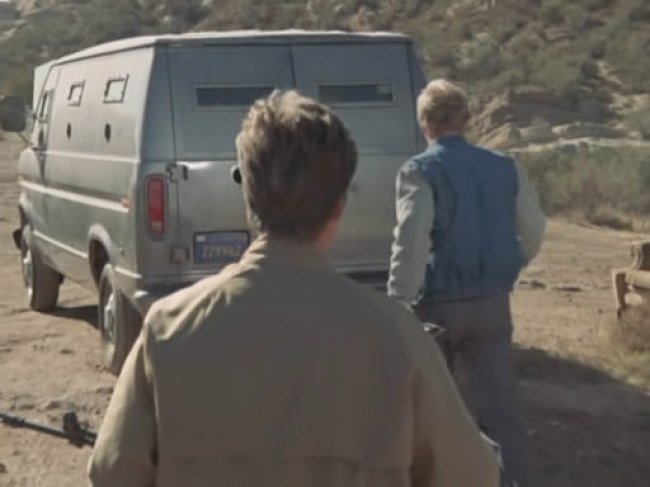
<point x="156" y="205"/>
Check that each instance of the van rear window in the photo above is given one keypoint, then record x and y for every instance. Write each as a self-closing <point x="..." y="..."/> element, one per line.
<point x="355" y="94"/>
<point x="230" y="96"/>
<point x="44" y="109"/>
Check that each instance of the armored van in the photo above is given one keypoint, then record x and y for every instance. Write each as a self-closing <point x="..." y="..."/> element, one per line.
<point x="126" y="185"/>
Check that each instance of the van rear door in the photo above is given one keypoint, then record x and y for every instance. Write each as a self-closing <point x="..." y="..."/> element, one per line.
<point x="212" y="89"/>
<point x="369" y="86"/>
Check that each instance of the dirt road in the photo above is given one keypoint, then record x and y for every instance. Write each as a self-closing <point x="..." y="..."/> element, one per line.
<point x="589" y="425"/>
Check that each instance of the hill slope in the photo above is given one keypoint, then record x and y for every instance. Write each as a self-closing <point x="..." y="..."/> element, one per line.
<point x="538" y="70"/>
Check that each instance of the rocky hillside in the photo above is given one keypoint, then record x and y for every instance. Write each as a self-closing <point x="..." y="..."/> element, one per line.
<point x="540" y="71"/>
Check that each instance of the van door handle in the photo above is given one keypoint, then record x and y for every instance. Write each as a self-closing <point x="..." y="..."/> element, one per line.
<point x="39" y="150"/>
<point x="40" y="157"/>
<point x="176" y="172"/>
<point x="39" y="145"/>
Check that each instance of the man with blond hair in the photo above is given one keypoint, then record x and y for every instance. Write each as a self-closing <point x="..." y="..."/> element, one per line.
<point x="278" y="371"/>
<point x="468" y="221"/>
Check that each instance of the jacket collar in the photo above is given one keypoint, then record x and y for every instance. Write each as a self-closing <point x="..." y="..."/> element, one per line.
<point x="283" y="252"/>
<point x="449" y="139"/>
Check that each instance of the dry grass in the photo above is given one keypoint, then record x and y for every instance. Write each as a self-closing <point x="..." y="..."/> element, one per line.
<point x="605" y="216"/>
<point x="601" y="186"/>
<point x="632" y="331"/>
<point x="608" y="217"/>
<point x="628" y="348"/>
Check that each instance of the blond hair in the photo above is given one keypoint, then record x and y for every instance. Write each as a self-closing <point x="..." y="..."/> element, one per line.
<point x="443" y="106"/>
<point x="297" y="160"/>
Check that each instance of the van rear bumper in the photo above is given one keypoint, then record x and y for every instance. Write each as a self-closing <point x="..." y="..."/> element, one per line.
<point x="142" y="290"/>
<point x="144" y="298"/>
<point x="374" y="279"/>
<point x="17" y="236"/>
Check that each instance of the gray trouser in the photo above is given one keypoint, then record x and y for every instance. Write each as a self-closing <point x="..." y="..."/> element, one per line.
<point x="479" y="333"/>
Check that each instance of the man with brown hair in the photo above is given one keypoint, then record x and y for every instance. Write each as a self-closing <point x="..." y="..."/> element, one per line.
<point x="468" y="221"/>
<point x="278" y="371"/>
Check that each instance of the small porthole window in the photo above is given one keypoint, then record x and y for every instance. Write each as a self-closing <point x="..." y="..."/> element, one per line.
<point x="68" y="131"/>
<point x="107" y="132"/>
<point x="115" y="89"/>
<point x="75" y="93"/>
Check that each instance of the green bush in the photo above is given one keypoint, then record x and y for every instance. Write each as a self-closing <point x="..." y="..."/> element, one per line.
<point x="553" y="11"/>
<point x="575" y="17"/>
<point x="639" y="12"/>
<point x="558" y="71"/>
<point x="480" y="58"/>
<point x="628" y="55"/>
<point x="594" y="5"/>
<point x="639" y="121"/>
<point x="18" y="82"/>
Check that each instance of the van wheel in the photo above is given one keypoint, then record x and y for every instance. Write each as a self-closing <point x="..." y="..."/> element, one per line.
<point x="41" y="281"/>
<point x="119" y="322"/>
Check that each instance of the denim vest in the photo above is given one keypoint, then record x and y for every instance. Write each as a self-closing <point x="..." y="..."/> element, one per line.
<point x="475" y="249"/>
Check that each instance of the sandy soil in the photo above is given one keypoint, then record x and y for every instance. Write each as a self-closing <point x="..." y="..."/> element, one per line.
<point x="589" y="425"/>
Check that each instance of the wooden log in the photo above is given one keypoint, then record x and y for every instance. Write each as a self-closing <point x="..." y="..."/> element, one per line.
<point x="641" y="256"/>
<point x="620" y="287"/>
<point x="638" y="278"/>
<point x="633" y="284"/>
<point x="634" y="300"/>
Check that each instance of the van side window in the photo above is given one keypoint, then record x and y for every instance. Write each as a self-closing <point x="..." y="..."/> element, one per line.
<point x="44" y="108"/>
<point x="115" y="89"/>
<point x="75" y="92"/>
<point x="365" y="94"/>
<point x="229" y="96"/>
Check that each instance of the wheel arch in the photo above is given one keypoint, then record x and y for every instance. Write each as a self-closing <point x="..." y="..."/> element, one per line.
<point x="25" y="217"/>
<point x="101" y="251"/>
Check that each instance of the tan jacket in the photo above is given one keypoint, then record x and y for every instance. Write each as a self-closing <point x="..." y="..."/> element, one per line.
<point x="279" y="372"/>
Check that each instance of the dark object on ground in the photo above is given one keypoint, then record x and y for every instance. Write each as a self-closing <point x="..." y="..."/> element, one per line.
<point x="71" y="431"/>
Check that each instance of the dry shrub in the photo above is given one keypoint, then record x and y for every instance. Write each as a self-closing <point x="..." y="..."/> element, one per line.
<point x="605" y="186"/>
<point x="632" y="331"/>
<point x="605" y="216"/>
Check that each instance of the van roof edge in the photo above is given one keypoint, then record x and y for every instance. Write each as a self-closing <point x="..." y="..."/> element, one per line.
<point x="230" y="37"/>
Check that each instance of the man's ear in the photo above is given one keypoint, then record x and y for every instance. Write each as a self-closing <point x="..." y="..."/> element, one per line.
<point x="426" y="132"/>
<point x="338" y="209"/>
<point x="327" y="234"/>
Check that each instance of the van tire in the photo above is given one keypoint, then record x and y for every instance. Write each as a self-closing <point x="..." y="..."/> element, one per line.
<point x="118" y="321"/>
<point x="41" y="281"/>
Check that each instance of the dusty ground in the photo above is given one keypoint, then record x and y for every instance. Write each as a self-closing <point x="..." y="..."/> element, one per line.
<point x="589" y="423"/>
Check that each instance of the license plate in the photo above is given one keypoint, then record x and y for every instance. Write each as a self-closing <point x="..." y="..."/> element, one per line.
<point x="219" y="247"/>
